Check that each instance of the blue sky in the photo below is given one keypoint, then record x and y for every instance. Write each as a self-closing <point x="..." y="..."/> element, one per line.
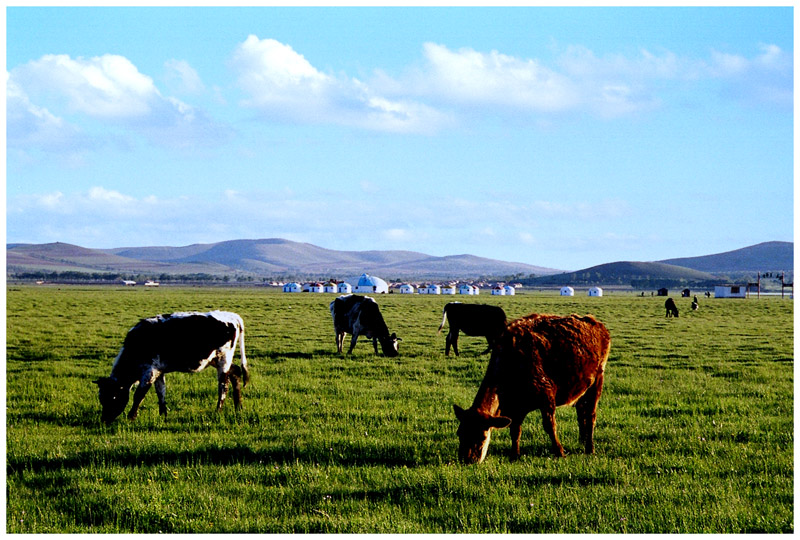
<point x="559" y="137"/>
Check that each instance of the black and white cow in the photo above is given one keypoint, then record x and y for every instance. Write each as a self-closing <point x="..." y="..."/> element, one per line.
<point x="473" y="320"/>
<point x="360" y="316"/>
<point x="177" y="342"/>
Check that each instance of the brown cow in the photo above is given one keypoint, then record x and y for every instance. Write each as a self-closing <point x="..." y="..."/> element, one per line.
<point x="540" y="362"/>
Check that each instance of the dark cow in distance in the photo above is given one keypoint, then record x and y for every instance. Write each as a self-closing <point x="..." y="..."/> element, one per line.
<point x="672" y="309"/>
<point x="178" y="342"/>
<point x="473" y="320"/>
<point x="539" y="362"/>
<point x="360" y="316"/>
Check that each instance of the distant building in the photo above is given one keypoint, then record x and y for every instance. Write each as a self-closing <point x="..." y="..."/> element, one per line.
<point x="292" y="287"/>
<point x="466" y="288"/>
<point x="510" y="290"/>
<point x="330" y="288"/>
<point x="498" y="291"/>
<point x="313" y="288"/>
<point x="567" y="291"/>
<point x="730" y="291"/>
<point x="449" y="289"/>
<point x="370" y="284"/>
<point x="595" y="291"/>
<point x="432" y="289"/>
<point x="406" y="288"/>
<point x="344" y="288"/>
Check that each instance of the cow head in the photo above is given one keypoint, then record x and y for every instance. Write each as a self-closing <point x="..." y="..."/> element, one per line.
<point x="389" y="345"/>
<point x="474" y="432"/>
<point x="113" y="398"/>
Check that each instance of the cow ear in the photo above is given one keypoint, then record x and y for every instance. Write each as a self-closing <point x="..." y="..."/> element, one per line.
<point x="499" y="422"/>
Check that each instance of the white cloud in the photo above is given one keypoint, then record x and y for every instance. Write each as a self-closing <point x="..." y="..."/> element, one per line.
<point x="111" y="90"/>
<point x="182" y="77"/>
<point x="282" y="84"/>
<point x="472" y="77"/>
<point x="31" y="126"/>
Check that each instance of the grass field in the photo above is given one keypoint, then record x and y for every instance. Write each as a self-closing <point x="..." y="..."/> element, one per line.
<point x="694" y="430"/>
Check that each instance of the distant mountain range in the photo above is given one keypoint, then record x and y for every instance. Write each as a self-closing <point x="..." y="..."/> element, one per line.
<point x="264" y="258"/>
<point x="767" y="257"/>
<point x="276" y="257"/>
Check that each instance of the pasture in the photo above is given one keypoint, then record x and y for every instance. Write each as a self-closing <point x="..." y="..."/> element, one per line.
<point x="694" y="430"/>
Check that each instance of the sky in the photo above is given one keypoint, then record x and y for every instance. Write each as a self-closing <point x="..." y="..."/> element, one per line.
<point x="558" y="137"/>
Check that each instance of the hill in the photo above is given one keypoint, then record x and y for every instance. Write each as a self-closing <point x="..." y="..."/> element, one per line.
<point x="741" y="264"/>
<point x="260" y="258"/>
<point x="638" y="274"/>
<point x="764" y="257"/>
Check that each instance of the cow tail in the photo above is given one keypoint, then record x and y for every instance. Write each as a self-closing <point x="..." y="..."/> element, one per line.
<point x="245" y="373"/>
<point x="444" y="319"/>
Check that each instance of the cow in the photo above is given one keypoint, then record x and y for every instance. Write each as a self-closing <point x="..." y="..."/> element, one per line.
<point x="539" y="362"/>
<point x="473" y="320"/>
<point x="184" y="342"/>
<point x="360" y="316"/>
<point x="672" y="309"/>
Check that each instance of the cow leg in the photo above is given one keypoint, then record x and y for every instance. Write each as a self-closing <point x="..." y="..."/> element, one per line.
<point x="375" y="344"/>
<point x="161" y="392"/>
<point x="222" y="377"/>
<point x="549" y="423"/>
<point x="452" y="339"/>
<point x="235" y="376"/>
<point x="489" y="345"/>
<point x="587" y="413"/>
<point x="352" y="343"/>
<point x="147" y="380"/>
<point x="339" y="341"/>
<point x="516" y="433"/>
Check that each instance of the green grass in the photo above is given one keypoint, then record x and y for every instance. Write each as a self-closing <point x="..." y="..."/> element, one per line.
<point x="694" y="431"/>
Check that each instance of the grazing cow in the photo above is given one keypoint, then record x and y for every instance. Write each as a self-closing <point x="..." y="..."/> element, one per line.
<point x="672" y="309"/>
<point x="539" y="362"/>
<point x="360" y="316"/>
<point x="180" y="342"/>
<point x="473" y="320"/>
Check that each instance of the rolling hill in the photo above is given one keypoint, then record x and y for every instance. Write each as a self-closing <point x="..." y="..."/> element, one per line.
<point x="264" y="258"/>
<point x="764" y="257"/>
<point x="275" y="257"/>
<point x="626" y="273"/>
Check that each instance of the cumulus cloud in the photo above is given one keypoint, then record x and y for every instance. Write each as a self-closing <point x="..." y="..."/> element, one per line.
<point x="282" y="84"/>
<point x="109" y="89"/>
<point x="578" y="80"/>
<point x="472" y="77"/>
<point x="31" y="126"/>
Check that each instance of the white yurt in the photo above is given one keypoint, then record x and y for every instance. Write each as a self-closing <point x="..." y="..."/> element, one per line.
<point x="434" y="289"/>
<point x="567" y="291"/>
<point x="344" y="288"/>
<point x="370" y="284"/>
<point x="330" y="288"/>
<point x="406" y="288"/>
<point x="498" y="291"/>
<point x="313" y="288"/>
<point x="466" y="288"/>
<point x="595" y="291"/>
<point x="449" y="289"/>
<point x="510" y="290"/>
<point x="292" y="287"/>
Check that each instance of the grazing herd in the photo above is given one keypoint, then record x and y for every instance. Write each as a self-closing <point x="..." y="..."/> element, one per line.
<point x="538" y="362"/>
